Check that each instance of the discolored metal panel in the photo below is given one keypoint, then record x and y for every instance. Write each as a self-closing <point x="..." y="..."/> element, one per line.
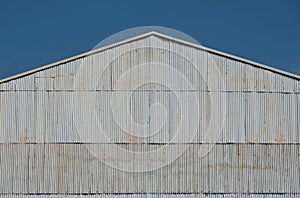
<point x="58" y="127"/>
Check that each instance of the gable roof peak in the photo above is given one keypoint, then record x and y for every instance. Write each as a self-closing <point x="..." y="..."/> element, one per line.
<point x="161" y="35"/>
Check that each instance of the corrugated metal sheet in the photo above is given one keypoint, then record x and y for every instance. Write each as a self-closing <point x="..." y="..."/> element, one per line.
<point x="164" y="196"/>
<point x="228" y="168"/>
<point x="257" y="150"/>
<point x="46" y="116"/>
<point x="237" y="76"/>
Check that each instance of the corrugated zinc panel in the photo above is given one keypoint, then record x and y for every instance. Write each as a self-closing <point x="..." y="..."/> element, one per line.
<point x="72" y="169"/>
<point x="256" y="152"/>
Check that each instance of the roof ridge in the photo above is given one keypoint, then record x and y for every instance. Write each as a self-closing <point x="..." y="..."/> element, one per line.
<point x="217" y="52"/>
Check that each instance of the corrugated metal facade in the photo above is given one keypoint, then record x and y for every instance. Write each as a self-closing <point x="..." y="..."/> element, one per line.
<point x="257" y="153"/>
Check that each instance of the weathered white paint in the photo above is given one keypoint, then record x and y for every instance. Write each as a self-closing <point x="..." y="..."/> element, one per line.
<point x="257" y="154"/>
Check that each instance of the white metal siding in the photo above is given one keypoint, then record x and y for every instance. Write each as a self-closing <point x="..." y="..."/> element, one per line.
<point x="257" y="154"/>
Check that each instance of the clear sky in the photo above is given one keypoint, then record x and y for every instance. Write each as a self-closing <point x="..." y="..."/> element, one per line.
<point x="34" y="33"/>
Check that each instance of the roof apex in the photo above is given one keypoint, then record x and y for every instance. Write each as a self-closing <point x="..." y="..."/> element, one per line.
<point x="164" y="36"/>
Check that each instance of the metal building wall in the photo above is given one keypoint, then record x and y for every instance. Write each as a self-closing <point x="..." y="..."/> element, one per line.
<point x="256" y="155"/>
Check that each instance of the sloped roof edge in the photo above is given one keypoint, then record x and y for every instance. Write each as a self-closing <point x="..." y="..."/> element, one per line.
<point x="255" y="64"/>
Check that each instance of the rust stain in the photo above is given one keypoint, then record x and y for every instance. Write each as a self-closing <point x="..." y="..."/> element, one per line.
<point x="244" y="79"/>
<point x="177" y="116"/>
<point x="281" y="137"/>
<point x="256" y="85"/>
<point x="34" y="160"/>
<point x="25" y="137"/>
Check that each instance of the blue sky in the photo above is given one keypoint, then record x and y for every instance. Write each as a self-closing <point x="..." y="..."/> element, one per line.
<point x="36" y="33"/>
